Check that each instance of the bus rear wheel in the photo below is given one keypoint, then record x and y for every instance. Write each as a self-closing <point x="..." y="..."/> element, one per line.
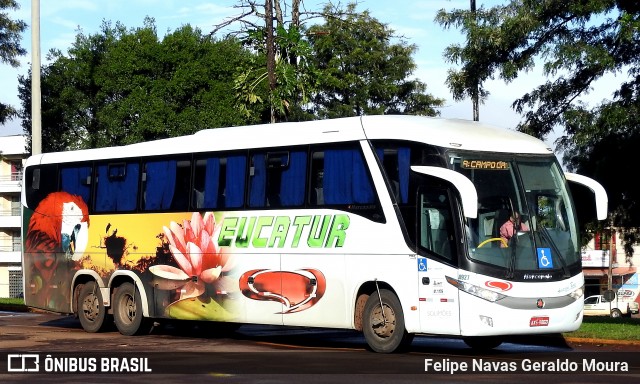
<point x="383" y="323"/>
<point x="91" y="311"/>
<point x="127" y="311"/>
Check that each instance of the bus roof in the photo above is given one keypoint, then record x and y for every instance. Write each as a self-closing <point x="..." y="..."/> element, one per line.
<point x="448" y="133"/>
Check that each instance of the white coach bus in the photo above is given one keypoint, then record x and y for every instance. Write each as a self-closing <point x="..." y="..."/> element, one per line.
<point x="390" y="225"/>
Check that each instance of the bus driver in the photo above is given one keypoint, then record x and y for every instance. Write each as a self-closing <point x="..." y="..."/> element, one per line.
<point x="508" y="229"/>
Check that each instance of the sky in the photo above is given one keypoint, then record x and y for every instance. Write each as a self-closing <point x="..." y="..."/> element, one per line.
<point x="60" y="22"/>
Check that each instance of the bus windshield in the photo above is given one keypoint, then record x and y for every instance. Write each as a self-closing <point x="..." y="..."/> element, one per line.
<point x="525" y="221"/>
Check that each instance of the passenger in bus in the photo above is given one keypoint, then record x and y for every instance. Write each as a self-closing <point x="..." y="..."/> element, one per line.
<point x="510" y="227"/>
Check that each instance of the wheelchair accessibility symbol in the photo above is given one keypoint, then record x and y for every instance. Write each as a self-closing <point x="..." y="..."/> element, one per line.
<point x="422" y="265"/>
<point x="544" y="258"/>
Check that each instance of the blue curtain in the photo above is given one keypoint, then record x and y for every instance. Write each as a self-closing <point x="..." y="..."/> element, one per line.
<point x="258" y="182"/>
<point x="234" y="186"/>
<point x="74" y="181"/>
<point x="404" y="162"/>
<point x="160" y="184"/>
<point x="362" y="189"/>
<point x="106" y="193"/>
<point x="211" y="183"/>
<point x="337" y="176"/>
<point x="293" y="180"/>
<point x="346" y="180"/>
<point x="117" y="194"/>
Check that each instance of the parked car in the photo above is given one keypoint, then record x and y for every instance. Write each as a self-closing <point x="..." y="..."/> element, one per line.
<point x="597" y="305"/>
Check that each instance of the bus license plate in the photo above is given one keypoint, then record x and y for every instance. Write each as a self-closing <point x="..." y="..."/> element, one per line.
<point x="537" y="321"/>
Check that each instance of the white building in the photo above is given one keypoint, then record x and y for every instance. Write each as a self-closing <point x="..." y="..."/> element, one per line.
<point x="620" y="272"/>
<point x="12" y="155"/>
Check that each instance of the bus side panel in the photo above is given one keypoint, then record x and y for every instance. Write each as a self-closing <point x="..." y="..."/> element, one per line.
<point x="254" y="287"/>
<point x="315" y="286"/>
<point x="48" y="269"/>
<point x="439" y="301"/>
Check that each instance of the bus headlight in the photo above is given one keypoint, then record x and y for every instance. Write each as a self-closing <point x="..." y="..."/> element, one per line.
<point x="475" y="290"/>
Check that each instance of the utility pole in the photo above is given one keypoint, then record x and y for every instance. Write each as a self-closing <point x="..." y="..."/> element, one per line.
<point x="36" y="122"/>
<point x="475" y="90"/>
<point x="610" y="275"/>
<point x="271" y="54"/>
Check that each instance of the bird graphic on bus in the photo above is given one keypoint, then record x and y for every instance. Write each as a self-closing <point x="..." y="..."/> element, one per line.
<point x="57" y="232"/>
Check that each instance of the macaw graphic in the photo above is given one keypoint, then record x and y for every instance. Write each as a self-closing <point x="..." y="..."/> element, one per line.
<point x="296" y="290"/>
<point x="57" y="234"/>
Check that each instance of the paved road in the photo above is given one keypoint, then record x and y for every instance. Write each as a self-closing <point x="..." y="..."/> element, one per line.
<point x="263" y="354"/>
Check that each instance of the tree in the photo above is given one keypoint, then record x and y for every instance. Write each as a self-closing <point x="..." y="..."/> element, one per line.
<point x="123" y="86"/>
<point x="467" y="81"/>
<point x="280" y="78"/>
<point x="365" y="69"/>
<point x="10" y="48"/>
<point x="579" y="42"/>
<point x="291" y="79"/>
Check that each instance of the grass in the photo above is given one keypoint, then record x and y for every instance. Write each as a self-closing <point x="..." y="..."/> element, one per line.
<point x="12" y="301"/>
<point x="593" y="327"/>
<point x="12" y="304"/>
<point x="602" y="327"/>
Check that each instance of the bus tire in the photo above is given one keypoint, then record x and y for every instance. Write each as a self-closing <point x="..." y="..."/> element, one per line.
<point x="127" y="311"/>
<point x="385" y="336"/>
<point x="483" y="343"/>
<point x="91" y="312"/>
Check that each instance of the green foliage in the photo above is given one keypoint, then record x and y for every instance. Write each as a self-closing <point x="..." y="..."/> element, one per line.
<point x="122" y="86"/>
<point x="365" y="69"/>
<point x="295" y="76"/>
<point x="10" y="49"/>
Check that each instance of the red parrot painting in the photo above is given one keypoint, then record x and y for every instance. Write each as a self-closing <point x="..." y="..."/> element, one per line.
<point x="57" y="233"/>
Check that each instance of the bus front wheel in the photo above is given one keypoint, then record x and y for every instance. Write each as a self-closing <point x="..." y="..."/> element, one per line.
<point x="383" y="323"/>
<point x="91" y="311"/>
<point x="127" y="311"/>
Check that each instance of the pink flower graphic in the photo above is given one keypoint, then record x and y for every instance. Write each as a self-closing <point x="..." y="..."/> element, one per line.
<point x="194" y="248"/>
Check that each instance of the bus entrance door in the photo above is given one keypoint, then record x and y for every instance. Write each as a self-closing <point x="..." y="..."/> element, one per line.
<point x="439" y="306"/>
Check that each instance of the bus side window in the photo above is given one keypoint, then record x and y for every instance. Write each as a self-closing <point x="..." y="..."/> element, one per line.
<point x="158" y="184"/>
<point x="317" y="179"/>
<point x="40" y="181"/>
<point x="396" y="164"/>
<point x="117" y="187"/>
<point x="166" y="185"/>
<point x="346" y="178"/>
<point x="341" y="177"/>
<point x="435" y="231"/>
<point x="182" y="189"/>
<point x="76" y="181"/>
<point x="278" y="178"/>
<point x="219" y="182"/>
